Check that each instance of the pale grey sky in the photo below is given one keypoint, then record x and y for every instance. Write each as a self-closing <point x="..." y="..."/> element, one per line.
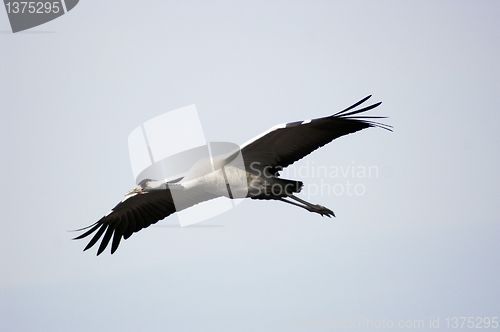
<point x="421" y="243"/>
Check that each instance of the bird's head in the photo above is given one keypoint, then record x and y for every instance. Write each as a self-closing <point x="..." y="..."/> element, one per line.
<point x="136" y="190"/>
<point x="149" y="185"/>
<point x="140" y="188"/>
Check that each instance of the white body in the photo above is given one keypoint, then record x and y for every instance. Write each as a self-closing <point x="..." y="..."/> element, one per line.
<point x="229" y="181"/>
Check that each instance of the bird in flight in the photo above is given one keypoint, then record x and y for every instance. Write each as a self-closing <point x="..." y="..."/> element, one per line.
<point x="257" y="177"/>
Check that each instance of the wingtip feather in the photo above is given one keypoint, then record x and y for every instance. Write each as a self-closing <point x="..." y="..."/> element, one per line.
<point x="353" y="105"/>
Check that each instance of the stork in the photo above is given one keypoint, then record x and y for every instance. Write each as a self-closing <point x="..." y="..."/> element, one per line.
<point x="256" y="178"/>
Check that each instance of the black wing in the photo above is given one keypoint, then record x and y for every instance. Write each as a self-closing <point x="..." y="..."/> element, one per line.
<point x="139" y="211"/>
<point x="285" y="144"/>
<point x="129" y="216"/>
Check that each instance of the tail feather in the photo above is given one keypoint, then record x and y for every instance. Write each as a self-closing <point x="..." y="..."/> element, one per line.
<point x="290" y="186"/>
<point x="278" y="188"/>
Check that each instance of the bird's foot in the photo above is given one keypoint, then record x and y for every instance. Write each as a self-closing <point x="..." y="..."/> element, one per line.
<point x="323" y="211"/>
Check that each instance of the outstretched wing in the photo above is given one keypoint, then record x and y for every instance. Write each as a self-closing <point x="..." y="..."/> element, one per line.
<point x="138" y="211"/>
<point x="134" y="213"/>
<point x="284" y="144"/>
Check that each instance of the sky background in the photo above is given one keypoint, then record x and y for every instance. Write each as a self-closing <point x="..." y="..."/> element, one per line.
<point x="421" y="243"/>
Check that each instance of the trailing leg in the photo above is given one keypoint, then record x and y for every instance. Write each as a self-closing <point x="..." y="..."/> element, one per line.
<point x="323" y="211"/>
